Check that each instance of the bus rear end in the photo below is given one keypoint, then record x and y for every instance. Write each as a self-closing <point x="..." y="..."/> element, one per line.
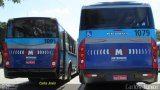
<point x="117" y="43"/>
<point x="31" y="48"/>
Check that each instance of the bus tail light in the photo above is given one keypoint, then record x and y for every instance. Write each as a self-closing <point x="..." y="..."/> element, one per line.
<point x="81" y="55"/>
<point x="6" y="56"/>
<point x="154" y="55"/>
<point x="147" y="75"/>
<point x="55" y="56"/>
<point x="91" y="75"/>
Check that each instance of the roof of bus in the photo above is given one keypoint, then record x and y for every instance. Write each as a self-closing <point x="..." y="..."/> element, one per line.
<point x="117" y="4"/>
<point x="33" y="18"/>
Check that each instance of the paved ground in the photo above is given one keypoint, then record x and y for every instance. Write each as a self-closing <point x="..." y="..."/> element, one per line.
<point x="24" y="84"/>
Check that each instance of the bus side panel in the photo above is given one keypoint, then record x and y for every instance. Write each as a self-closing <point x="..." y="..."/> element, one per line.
<point x="71" y="59"/>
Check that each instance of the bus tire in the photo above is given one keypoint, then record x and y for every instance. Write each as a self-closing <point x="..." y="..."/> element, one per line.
<point x="69" y="73"/>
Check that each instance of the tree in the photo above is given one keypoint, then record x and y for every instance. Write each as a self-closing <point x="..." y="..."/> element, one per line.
<point x="3" y="25"/>
<point x="14" y="1"/>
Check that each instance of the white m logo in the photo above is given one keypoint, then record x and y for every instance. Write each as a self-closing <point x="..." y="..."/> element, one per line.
<point x="118" y="52"/>
<point x="30" y="52"/>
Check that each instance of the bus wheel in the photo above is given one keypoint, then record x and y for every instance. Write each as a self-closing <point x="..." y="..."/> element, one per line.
<point x="69" y="74"/>
<point x="33" y="80"/>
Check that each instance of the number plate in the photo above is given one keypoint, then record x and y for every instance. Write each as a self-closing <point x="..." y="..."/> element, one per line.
<point x="30" y="62"/>
<point x="120" y="77"/>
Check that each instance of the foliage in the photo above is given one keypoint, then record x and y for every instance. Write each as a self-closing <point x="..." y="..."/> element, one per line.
<point x="3" y="25"/>
<point x="14" y="1"/>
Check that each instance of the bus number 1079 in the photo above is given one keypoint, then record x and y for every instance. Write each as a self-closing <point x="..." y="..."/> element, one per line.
<point x="142" y="32"/>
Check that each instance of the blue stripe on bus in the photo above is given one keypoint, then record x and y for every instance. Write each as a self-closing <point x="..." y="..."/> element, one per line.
<point x="113" y="33"/>
<point x="32" y="41"/>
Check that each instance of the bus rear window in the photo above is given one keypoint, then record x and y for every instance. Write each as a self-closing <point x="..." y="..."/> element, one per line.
<point x="32" y="28"/>
<point x="116" y="18"/>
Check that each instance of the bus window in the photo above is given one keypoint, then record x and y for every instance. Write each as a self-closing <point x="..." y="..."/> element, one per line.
<point x="158" y="51"/>
<point x="116" y="18"/>
<point x="37" y="28"/>
<point x="66" y="41"/>
<point x="73" y="48"/>
<point x="61" y="40"/>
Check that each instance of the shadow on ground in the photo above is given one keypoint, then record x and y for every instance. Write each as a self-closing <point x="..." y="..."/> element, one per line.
<point x="111" y="86"/>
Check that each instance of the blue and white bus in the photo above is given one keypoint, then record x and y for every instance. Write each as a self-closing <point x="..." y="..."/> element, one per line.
<point x="38" y="48"/>
<point x="117" y="43"/>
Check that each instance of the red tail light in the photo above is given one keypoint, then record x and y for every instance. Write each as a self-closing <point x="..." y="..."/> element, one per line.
<point x="81" y="55"/>
<point x="147" y="75"/>
<point x="55" y="56"/>
<point x="154" y="55"/>
<point x="91" y="75"/>
<point x="5" y="56"/>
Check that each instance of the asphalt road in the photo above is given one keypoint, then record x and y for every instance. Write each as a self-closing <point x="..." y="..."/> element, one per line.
<point x="74" y="84"/>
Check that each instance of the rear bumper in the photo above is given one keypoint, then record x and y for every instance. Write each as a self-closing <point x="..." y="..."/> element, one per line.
<point x="30" y="73"/>
<point x="107" y="76"/>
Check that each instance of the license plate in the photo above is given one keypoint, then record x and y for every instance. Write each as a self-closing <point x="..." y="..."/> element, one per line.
<point x="30" y="62"/>
<point x="120" y="77"/>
